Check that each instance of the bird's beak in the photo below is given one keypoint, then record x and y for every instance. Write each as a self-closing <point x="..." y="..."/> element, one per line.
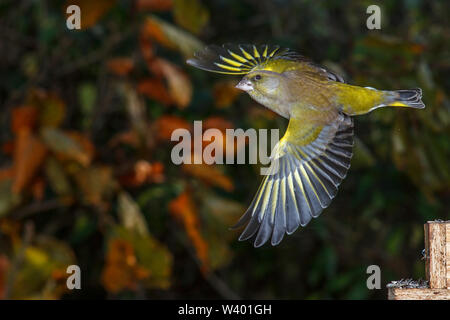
<point x="245" y="85"/>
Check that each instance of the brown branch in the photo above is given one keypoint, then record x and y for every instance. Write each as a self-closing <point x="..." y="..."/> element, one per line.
<point x="38" y="207"/>
<point x="98" y="55"/>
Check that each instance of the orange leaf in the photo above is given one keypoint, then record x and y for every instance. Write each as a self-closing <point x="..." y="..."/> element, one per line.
<point x="165" y="125"/>
<point x="4" y="266"/>
<point x="86" y="145"/>
<point x="180" y="87"/>
<point x="225" y="93"/>
<point x="170" y="36"/>
<point x="122" y="270"/>
<point x="6" y="173"/>
<point x="209" y="174"/>
<point x="143" y="172"/>
<point x="154" y="30"/>
<point x="146" y="171"/>
<point x="154" y="5"/>
<point x="120" y="66"/>
<point x="146" y="47"/>
<point x="223" y="125"/>
<point x="182" y="208"/>
<point x="29" y="154"/>
<point x="91" y="11"/>
<point x="38" y="189"/>
<point x="59" y="275"/>
<point x="127" y="137"/>
<point x="218" y="123"/>
<point x="69" y="145"/>
<point x="8" y="147"/>
<point x="23" y="117"/>
<point x="155" y="89"/>
<point x="154" y="66"/>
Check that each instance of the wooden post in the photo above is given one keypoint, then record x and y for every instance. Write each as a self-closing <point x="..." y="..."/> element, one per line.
<point x="437" y="247"/>
<point x="437" y="268"/>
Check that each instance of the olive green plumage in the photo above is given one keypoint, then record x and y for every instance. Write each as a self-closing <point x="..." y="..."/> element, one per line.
<point x="313" y="157"/>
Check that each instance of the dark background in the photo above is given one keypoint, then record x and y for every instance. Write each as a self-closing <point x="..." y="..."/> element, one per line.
<point x="86" y="176"/>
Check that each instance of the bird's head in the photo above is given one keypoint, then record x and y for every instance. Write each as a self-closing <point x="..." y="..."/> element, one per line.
<point x="263" y="68"/>
<point x="261" y="83"/>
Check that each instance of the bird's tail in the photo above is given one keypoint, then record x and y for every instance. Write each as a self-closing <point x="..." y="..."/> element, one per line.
<point x="356" y="100"/>
<point x="406" y="98"/>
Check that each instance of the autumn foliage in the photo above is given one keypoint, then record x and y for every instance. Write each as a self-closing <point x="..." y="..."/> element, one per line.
<point x="86" y="176"/>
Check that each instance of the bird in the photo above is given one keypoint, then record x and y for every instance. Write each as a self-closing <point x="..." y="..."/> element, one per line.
<point x="314" y="155"/>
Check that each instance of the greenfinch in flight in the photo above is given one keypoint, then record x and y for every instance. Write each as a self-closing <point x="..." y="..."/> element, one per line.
<point x="314" y="154"/>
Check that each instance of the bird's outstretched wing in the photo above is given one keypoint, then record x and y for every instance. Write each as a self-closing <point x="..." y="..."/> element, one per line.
<point x="243" y="58"/>
<point x="237" y="59"/>
<point x="308" y="170"/>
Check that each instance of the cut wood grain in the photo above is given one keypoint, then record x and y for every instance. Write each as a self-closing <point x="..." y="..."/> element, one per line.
<point x="447" y="250"/>
<point x="418" y="294"/>
<point x="437" y="268"/>
<point x="435" y="246"/>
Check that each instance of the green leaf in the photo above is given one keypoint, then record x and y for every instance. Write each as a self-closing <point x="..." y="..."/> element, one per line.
<point x="191" y="15"/>
<point x="130" y="215"/>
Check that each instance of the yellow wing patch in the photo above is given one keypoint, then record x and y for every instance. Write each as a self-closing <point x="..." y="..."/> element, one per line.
<point x="398" y="104"/>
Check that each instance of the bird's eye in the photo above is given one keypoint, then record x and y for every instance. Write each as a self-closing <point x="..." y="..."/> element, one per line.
<point x="257" y="77"/>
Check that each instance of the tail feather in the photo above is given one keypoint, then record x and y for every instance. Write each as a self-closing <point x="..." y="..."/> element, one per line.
<point x="407" y="98"/>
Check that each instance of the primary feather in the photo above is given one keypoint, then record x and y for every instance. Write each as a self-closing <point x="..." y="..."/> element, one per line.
<point x="236" y="59"/>
<point x="313" y="157"/>
<point x="304" y="180"/>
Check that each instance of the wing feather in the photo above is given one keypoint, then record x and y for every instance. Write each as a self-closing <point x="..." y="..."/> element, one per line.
<point x="244" y="58"/>
<point x="236" y="59"/>
<point x="305" y="183"/>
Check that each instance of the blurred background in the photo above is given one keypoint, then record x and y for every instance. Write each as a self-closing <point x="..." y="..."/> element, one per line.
<point x="85" y="170"/>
